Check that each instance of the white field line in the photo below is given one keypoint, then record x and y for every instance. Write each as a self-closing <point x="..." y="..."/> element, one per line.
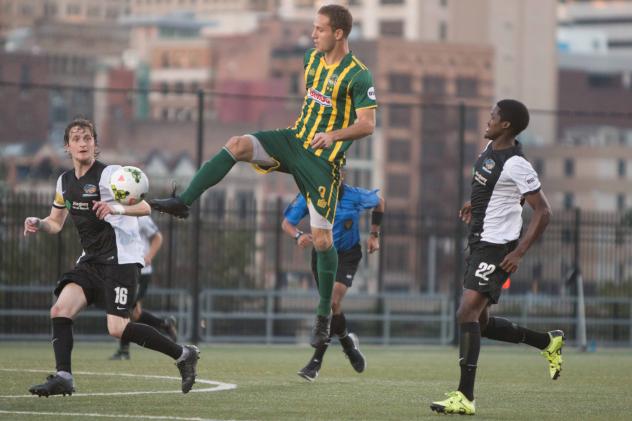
<point x="97" y="415"/>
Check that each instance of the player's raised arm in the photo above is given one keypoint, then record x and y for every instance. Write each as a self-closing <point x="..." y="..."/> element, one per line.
<point x="103" y="209"/>
<point x="52" y="224"/>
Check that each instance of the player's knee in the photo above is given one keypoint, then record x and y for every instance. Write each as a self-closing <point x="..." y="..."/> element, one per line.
<point x="240" y="147"/>
<point x="322" y="243"/>
<point x="464" y="315"/>
<point x="59" y="311"/>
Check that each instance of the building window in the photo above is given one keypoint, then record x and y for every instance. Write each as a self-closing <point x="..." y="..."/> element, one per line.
<point x="569" y="200"/>
<point x="467" y="87"/>
<point x="569" y="167"/>
<point x="398" y="185"/>
<point x="164" y="88"/>
<point x="434" y="85"/>
<point x="398" y="150"/>
<point x="471" y="118"/>
<point x="621" y="168"/>
<point x="392" y="28"/>
<point x="399" y="115"/>
<point x="390" y="2"/>
<point x="397" y="257"/>
<point x="179" y="88"/>
<point x="620" y="202"/>
<point x="400" y="83"/>
<point x="50" y="9"/>
<point x="604" y="80"/>
<point x="73" y="9"/>
<point x="443" y="31"/>
<point x="94" y="12"/>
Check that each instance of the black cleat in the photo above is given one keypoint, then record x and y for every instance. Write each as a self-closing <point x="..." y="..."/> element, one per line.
<point x="320" y="332"/>
<point x="169" y="328"/>
<point x="310" y="371"/>
<point x="120" y="355"/>
<point x="54" y="385"/>
<point x="187" y="368"/>
<point x="357" y="360"/>
<point x="171" y="205"/>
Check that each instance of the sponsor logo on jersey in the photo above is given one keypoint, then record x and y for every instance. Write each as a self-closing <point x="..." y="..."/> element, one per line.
<point x="371" y="93"/>
<point x="319" y="97"/>
<point x="480" y="178"/>
<point x="322" y="202"/>
<point x="531" y="180"/>
<point x="83" y="206"/>
<point x="488" y="165"/>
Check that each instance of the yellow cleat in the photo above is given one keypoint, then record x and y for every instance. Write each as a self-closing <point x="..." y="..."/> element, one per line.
<point x="456" y="403"/>
<point x="553" y="353"/>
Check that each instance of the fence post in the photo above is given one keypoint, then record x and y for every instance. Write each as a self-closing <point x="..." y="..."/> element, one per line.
<point x="195" y="290"/>
<point x="458" y="232"/>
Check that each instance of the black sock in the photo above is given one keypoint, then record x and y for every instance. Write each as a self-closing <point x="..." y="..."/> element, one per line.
<point x="148" y="337"/>
<point x="151" y="320"/>
<point x="319" y="354"/>
<point x="123" y="346"/>
<point x="501" y="329"/>
<point x="62" y="342"/>
<point x="469" y="348"/>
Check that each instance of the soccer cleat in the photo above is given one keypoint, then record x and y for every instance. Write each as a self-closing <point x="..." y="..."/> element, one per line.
<point x="456" y="403"/>
<point x="320" y="332"/>
<point x="187" y="368"/>
<point x="169" y="328"/>
<point x="553" y="353"/>
<point x="310" y="371"/>
<point x="54" y="385"/>
<point x="357" y="360"/>
<point x="171" y="205"/>
<point x="120" y="355"/>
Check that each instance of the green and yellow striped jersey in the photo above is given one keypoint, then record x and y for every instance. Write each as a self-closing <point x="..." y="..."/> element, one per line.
<point x="333" y="94"/>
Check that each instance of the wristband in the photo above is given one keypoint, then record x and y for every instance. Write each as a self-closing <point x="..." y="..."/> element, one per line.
<point x="118" y="209"/>
<point x="376" y="217"/>
<point x="298" y="235"/>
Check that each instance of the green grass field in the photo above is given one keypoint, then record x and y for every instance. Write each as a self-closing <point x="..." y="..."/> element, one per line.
<point x="399" y="384"/>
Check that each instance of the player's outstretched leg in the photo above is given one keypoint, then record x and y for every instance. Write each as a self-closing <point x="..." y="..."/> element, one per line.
<point x="187" y="365"/>
<point x="122" y="353"/>
<point x="553" y="353"/>
<point x="171" y="205"/>
<point x="55" y="384"/>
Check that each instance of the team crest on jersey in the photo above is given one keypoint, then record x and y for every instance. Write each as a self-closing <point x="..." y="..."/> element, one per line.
<point x="319" y="97"/>
<point x="89" y="190"/>
<point x="331" y="83"/>
<point x="322" y="202"/>
<point x="488" y="165"/>
<point x="348" y="224"/>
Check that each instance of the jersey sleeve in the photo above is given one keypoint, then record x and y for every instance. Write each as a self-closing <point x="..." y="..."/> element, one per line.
<point x="105" y="186"/>
<point x="297" y="210"/>
<point x="59" y="202"/>
<point x="147" y="227"/>
<point x="362" y="91"/>
<point x="523" y="174"/>
<point x="366" y="199"/>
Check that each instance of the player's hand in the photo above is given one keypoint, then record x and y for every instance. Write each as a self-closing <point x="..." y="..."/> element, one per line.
<point x="511" y="262"/>
<point x="322" y="141"/>
<point x="373" y="244"/>
<point x="147" y="261"/>
<point x="466" y="213"/>
<point x="31" y="225"/>
<point x="305" y="240"/>
<point x="102" y="209"/>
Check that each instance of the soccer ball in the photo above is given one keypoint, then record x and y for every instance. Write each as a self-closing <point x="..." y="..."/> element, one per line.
<point x="129" y="185"/>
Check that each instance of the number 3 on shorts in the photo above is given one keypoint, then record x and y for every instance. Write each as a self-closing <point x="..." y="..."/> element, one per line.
<point x="121" y="295"/>
<point x="484" y="270"/>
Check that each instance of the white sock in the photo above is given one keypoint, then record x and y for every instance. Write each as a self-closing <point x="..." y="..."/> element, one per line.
<point x="64" y="375"/>
<point x="184" y="355"/>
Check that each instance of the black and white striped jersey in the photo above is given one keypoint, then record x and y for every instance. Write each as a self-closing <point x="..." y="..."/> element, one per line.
<point x="113" y="240"/>
<point x="500" y="179"/>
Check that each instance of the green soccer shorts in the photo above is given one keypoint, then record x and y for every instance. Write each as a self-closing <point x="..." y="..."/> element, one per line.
<point x="317" y="179"/>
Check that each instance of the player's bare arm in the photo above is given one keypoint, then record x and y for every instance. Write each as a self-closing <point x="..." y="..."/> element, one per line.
<point x="52" y="224"/>
<point x="363" y="126"/>
<point x="373" y="243"/>
<point x="466" y="212"/>
<point x="303" y="239"/>
<point x="103" y="209"/>
<point x="539" y="221"/>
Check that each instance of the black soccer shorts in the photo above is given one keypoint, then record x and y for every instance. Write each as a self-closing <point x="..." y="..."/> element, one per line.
<point x="483" y="272"/>
<point x="112" y="287"/>
<point x="348" y="262"/>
